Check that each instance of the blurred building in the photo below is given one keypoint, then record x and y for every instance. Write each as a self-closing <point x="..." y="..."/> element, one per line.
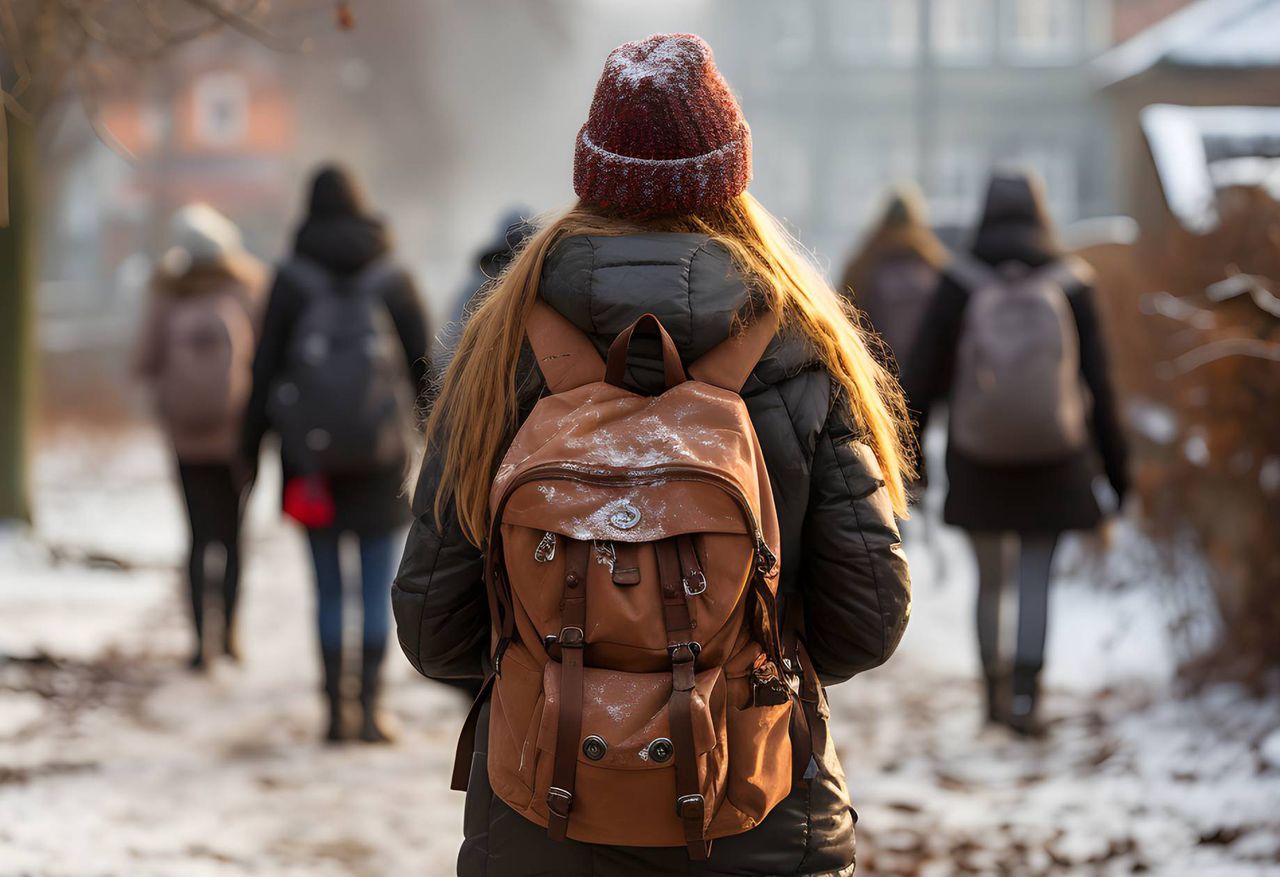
<point x="1195" y="103"/>
<point x="847" y="96"/>
<point x="220" y="127"/>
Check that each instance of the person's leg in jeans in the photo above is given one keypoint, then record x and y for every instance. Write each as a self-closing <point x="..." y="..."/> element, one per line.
<point x="377" y="557"/>
<point x="328" y="569"/>
<point x="1035" y="562"/>
<point x="993" y="552"/>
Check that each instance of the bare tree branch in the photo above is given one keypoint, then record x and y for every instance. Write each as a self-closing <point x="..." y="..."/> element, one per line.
<point x="1240" y="284"/>
<point x="1174" y="308"/>
<point x="1213" y="351"/>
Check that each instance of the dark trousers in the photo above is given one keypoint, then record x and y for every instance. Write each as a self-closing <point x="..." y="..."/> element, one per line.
<point x="214" y="509"/>
<point x="1009" y="561"/>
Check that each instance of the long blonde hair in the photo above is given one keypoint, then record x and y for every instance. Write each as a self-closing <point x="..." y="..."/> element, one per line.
<point x="476" y="410"/>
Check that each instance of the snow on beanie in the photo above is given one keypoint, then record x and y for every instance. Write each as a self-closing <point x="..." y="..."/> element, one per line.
<point x="664" y="134"/>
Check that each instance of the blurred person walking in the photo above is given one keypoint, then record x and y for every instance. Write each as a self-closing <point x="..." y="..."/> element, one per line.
<point x="196" y="352"/>
<point x="893" y="275"/>
<point x="1013" y="342"/>
<point x="341" y="360"/>
<point x="579" y="762"/>
<point x="492" y="259"/>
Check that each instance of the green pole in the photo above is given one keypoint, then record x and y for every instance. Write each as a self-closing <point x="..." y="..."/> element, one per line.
<point x="17" y="319"/>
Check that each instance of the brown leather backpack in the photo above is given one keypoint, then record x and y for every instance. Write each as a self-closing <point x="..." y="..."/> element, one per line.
<point x="640" y="694"/>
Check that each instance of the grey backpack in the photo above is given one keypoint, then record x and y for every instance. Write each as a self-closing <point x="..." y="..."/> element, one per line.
<point x="206" y="371"/>
<point x="1018" y="397"/>
<point x="343" y="404"/>
<point x="900" y="292"/>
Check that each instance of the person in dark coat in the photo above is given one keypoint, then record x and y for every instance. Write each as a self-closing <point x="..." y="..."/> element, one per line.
<point x="341" y="237"/>
<point x="492" y="259"/>
<point x="836" y="479"/>
<point x="1015" y="514"/>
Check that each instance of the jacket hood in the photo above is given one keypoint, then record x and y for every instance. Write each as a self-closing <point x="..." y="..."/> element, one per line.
<point x="602" y="284"/>
<point x="1015" y="224"/>
<point x="343" y="244"/>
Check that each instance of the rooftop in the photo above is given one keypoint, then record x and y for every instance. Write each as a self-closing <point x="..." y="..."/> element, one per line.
<point x="1206" y="34"/>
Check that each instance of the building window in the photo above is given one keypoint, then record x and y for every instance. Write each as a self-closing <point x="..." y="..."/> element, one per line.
<point x="864" y="169"/>
<point x="221" y="109"/>
<point x="962" y="31"/>
<point x="793" y="30"/>
<point x="1042" y="31"/>
<point x="875" y="31"/>
<point x="959" y="181"/>
<point x="784" y="169"/>
<point x="1099" y="26"/>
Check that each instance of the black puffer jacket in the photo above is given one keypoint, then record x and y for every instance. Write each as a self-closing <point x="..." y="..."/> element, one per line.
<point x="841" y="554"/>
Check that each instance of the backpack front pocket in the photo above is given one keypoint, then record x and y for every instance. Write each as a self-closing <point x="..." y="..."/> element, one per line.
<point x="514" y="718"/>
<point x="625" y="786"/>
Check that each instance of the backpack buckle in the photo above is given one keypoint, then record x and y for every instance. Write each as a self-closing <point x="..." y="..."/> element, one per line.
<point x="691" y="807"/>
<point x="571" y="638"/>
<point x="695" y="583"/>
<point x="558" y="798"/>
<point x="684" y="652"/>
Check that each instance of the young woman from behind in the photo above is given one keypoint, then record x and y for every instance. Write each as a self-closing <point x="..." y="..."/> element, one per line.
<point x="664" y="226"/>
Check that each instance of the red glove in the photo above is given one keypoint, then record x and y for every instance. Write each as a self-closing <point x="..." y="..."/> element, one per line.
<point x="308" y="500"/>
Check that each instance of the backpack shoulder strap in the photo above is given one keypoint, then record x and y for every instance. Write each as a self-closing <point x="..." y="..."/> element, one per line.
<point x="730" y="363"/>
<point x="565" y="355"/>
<point x="309" y="275"/>
<point x="971" y="274"/>
<point x="1067" y="272"/>
<point x="369" y="279"/>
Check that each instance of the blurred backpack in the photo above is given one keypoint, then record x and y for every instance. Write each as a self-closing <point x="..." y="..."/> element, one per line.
<point x="900" y="291"/>
<point x="207" y="371"/>
<point x="342" y="404"/>
<point x="641" y="696"/>
<point x="1017" y="395"/>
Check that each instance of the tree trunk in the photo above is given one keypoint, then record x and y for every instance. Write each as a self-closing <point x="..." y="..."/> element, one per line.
<point x="17" y="321"/>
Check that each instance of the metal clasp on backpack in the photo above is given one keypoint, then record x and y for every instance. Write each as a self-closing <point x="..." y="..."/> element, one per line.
<point x="606" y="554"/>
<point x="699" y="583"/>
<point x="546" y="550"/>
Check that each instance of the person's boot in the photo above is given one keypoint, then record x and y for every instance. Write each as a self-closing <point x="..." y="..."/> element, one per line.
<point x="372" y="729"/>
<point x="230" y="640"/>
<point x="332" y="662"/>
<point x="196" y="663"/>
<point x="231" y="643"/>
<point x="996" y="684"/>
<point x="1024" y="697"/>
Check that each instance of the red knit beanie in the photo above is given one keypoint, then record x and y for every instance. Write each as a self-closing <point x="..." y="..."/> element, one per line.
<point x="664" y="135"/>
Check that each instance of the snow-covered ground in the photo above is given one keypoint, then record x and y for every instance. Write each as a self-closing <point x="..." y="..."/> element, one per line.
<point x="115" y="761"/>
